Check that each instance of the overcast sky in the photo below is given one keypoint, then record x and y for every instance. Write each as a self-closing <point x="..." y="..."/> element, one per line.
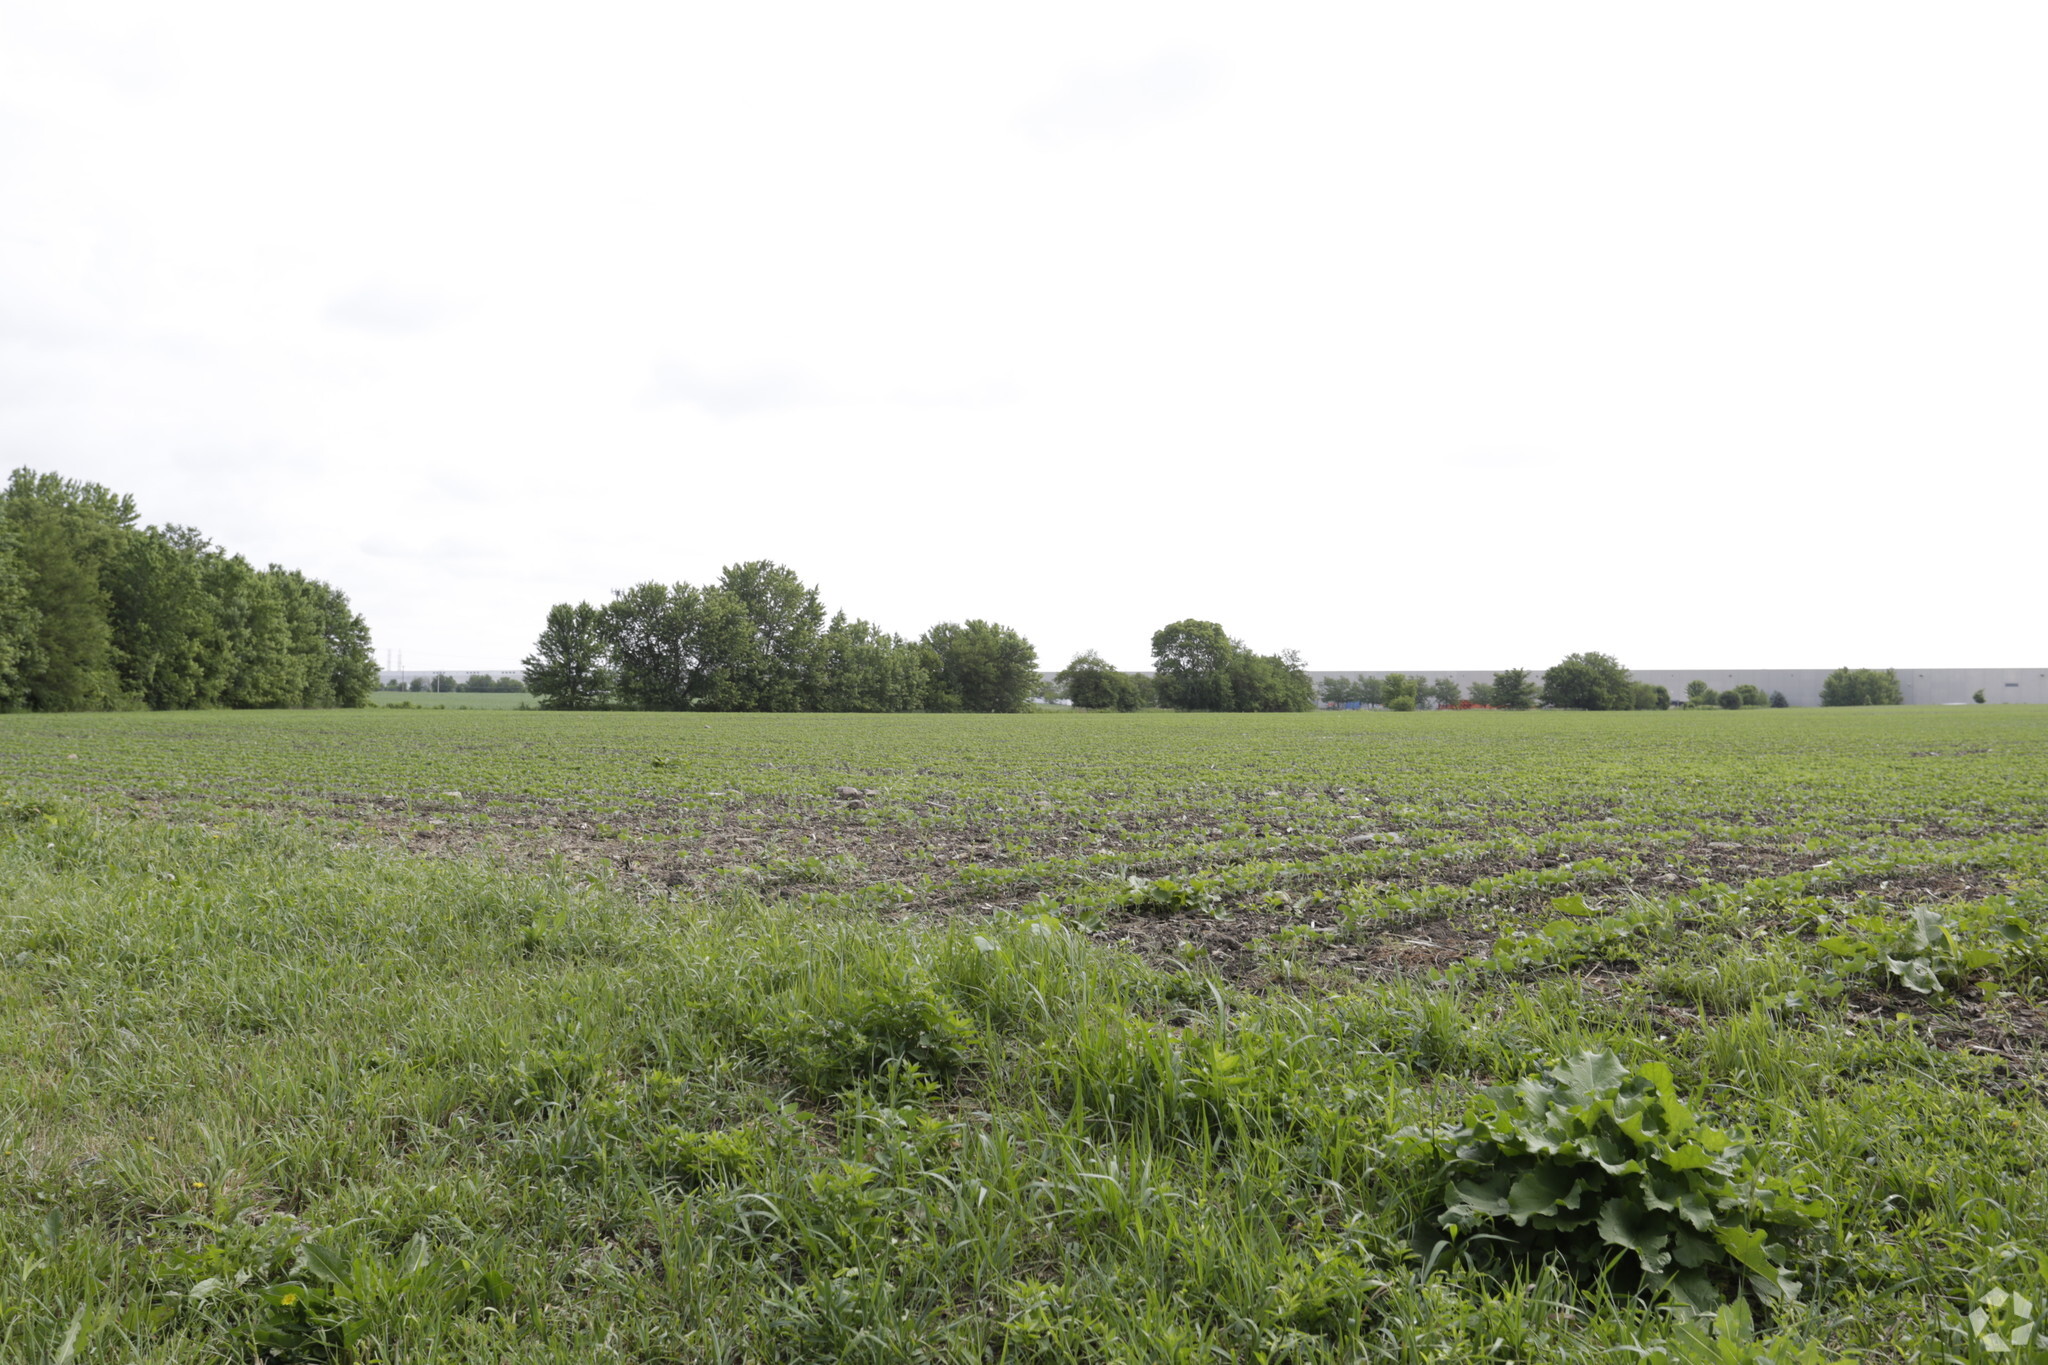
<point x="1418" y="336"/>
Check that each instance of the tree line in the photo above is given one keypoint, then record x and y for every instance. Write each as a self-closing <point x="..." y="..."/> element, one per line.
<point x="98" y="613"/>
<point x="758" y="640"/>
<point x="476" y="682"/>
<point x="1196" y="666"/>
<point x="1199" y="667"/>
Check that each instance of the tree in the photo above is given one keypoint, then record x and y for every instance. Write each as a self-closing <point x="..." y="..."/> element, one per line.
<point x="1778" y="701"/>
<point x="66" y="534"/>
<point x="1395" y="686"/>
<point x="331" y="662"/>
<point x="768" y="663"/>
<point x="1189" y="659"/>
<point x="1090" y="682"/>
<point x="1445" y="692"/>
<point x="1697" y="692"/>
<point x="1751" y="694"/>
<point x="1512" y="690"/>
<point x="1977" y="696"/>
<point x="1266" y="682"/>
<point x="1480" y="693"/>
<point x="16" y="624"/>
<point x="1337" y="689"/>
<point x="1588" y="682"/>
<point x="671" y="648"/>
<point x="980" y="666"/>
<point x="1731" y="700"/>
<point x="1652" y="697"/>
<point x="1861" y="687"/>
<point x="567" y="669"/>
<point x="859" y="667"/>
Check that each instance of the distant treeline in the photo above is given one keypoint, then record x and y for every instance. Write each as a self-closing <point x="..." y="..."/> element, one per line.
<point x="758" y="640"/>
<point x="99" y="614"/>
<point x="476" y="682"/>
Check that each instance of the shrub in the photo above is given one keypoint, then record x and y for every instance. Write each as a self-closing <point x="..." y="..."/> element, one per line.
<point x="1731" y="700"/>
<point x="1404" y="702"/>
<point x="1512" y="690"/>
<point x="1778" y="701"/>
<point x="1861" y="687"/>
<point x="1978" y="696"/>
<point x="1587" y="682"/>
<point x="1599" y="1166"/>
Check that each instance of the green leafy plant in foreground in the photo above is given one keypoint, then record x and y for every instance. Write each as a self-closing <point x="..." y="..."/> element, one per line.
<point x="1606" y="1168"/>
<point x="1934" y="952"/>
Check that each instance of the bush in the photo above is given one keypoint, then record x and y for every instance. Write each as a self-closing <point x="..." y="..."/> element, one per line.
<point x="1403" y="702"/>
<point x="1778" y="701"/>
<point x="1861" y="687"/>
<point x="1511" y="690"/>
<point x="1731" y="700"/>
<point x="1597" y="1165"/>
<point x="1091" y="683"/>
<point x="1978" y="696"/>
<point x="1587" y="682"/>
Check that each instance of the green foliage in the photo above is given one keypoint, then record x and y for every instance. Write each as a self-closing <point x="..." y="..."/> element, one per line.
<point x="567" y="669"/>
<point x="1444" y="692"/>
<point x="1861" y="687"/>
<point x="1977" y="696"/>
<point x="833" y="1040"/>
<point x="1934" y="951"/>
<point x="1652" y="697"/>
<point x="1588" y="682"/>
<point x="1779" y="701"/>
<point x="1090" y="682"/>
<point x="1197" y="667"/>
<point x="1730" y="700"/>
<point x="1512" y="690"/>
<point x="980" y="666"/>
<point x="1402" y="701"/>
<point x="1606" y="1167"/>
<point x="97" y="614"/>
<point x="1165" y="896"/>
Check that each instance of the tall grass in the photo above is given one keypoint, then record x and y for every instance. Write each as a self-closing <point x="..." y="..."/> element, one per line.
<point x="263" y="1094"/>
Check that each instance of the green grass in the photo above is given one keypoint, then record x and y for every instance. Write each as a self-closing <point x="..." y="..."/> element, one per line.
<point x="454" y="1036"/>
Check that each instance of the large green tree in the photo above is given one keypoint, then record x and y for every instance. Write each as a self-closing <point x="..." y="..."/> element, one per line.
<point x="1512" y="690"/>
<point x="767" y="663"/>
<point x="1588" y="682"/>
<point x="1861" y="687"/>
<point x="66" y="535"/>
<point x="567" y="669"/>
<point x="1197" y="666"/>
<point x="857" y="666"/>
<point x="1089" y="681"/>
<point x="1189" y="660"/>
<point x="979" y="666"/>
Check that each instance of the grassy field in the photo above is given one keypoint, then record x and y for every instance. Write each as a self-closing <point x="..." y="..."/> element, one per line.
<point x="450" y="1036"/>
<point x="453" y="701"/>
